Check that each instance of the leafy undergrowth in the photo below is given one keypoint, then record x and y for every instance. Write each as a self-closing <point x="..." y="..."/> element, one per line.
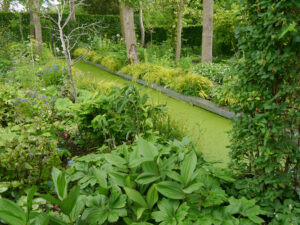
<point x="143" y="183"/>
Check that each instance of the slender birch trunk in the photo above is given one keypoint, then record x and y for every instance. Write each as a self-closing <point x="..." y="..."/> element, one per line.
<point x="142" y="28"/>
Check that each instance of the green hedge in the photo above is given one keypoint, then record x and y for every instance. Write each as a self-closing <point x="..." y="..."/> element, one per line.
<point x="192" y="35"/>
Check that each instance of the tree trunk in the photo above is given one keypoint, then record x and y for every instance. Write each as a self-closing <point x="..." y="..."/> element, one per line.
<point x="142" y="28"/>
<point x="37" y="26"/>
<point x="122" y="21"/>
<point x="127" y="13"/>
<point x="32" y="33"/>
<point x="179" y="28"/>
<point x="72" y="10"/>
<point x="207" y="33"/>
<point x="21" y="26"/>
<point x="68" y="60"/>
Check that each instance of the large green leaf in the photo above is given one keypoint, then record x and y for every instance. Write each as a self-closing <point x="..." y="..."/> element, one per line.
<point x="170" y="190"/>
<point x="95" y="215"/>
<point x="115" y="160"/>
<point x="193" y="187"/>
<point x="60" y="183"/>
<point x="55" y="221"/>
<point x="69" y="202"/>
<point x="101" y="177"/>
<point x="30" y="195"/>
<point x="152" y="196"/>
<point x="136" y="197"/>
<point x="147" y="149"/>
<point x="147" y="178"/>
<point x="11" y="213"/>
<point x="188" y="166"/>
<point x="39" y="219"/>
<point x="78" y="208"/>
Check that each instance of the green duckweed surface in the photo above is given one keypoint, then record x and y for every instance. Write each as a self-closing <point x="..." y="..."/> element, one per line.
<point x="209" y="129"/>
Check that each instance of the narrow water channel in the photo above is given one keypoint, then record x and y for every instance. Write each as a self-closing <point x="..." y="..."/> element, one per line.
<point x="209" y="130"/>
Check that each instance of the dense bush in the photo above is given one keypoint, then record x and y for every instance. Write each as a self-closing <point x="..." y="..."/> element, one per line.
<point x="216" y="72"/>
<point x="179" y="80"/>
<point x="145" y="183"/>
<point x="114" y="118"/>
<point x="27" y="140"/>
<point x="111" y="63"/>
<point x="193" y="85"/>
<point x="265" y="137"/>
<point x="53" y="75"/>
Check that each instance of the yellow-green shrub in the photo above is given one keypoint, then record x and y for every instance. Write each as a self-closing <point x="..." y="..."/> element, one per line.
<point x="162" y="75"/>
<point x="97" y="59"/>
<point x="90" y="55"/>
<point x="193" y="85"/>
<point x="111" y="63"/>
<point x="138" y="70"/>
<point x="79" y="52"/>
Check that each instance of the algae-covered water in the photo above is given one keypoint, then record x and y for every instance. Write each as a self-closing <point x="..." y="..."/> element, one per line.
<point x="209" y="130"/>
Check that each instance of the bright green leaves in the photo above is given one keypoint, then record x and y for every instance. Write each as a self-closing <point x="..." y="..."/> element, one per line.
<point x="246" y="208"/>
<point x="101" y="208"/>
<point x="188" y="167"/>
<point x="136" y="197"/>
<point x="170" y="190"/>
<point x="147" y="149"/>
<point x="170" y="212"/>
<point x="152" y="196"/>
<point x="60" y="183"/>
<point x="11" y="213"/>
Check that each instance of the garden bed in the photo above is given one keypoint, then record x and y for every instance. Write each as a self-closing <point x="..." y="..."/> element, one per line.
<point x="196" y="101"/>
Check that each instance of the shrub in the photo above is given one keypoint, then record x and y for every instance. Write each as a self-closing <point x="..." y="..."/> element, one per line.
<point x="111" y="63"/>
<point x="216" y="72"/>
<point x="79" y="52"/>
<point x="193" y="85"/>
<point x="97" y="59"/>
<point x="27" y="154"/>
<point x="265" y="137"/>
<point x="89" y="56"/>
<point x="116" y="117"/>
<point x="53" y="75"/>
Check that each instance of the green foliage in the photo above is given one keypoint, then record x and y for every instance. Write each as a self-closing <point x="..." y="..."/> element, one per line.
<point x="177" y="79"/>
<point x="191" y="34"/>
<point x="216" y="72"/>
<point x="27" y="142"/>
<point x="114" y="118"/>
<point x="53" y="75"/>
<point x="193" y="85"/>
<point x="265" y="137"/>
<point x="167" y="184"/>
<point x="110" y="63"/>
